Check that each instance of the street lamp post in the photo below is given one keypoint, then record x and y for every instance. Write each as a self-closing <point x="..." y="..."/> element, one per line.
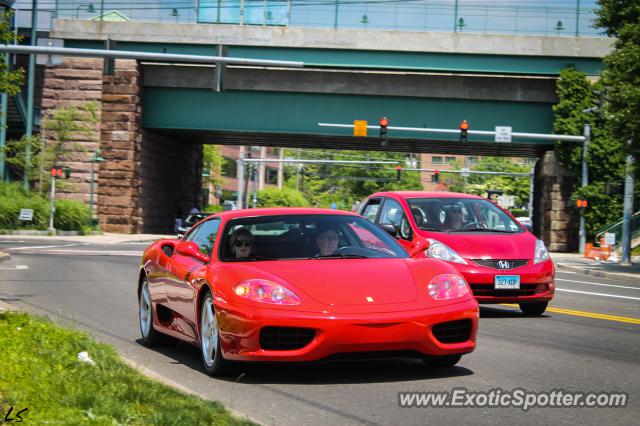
<point x="97" y="158"/>
<point x="89" y="7"/>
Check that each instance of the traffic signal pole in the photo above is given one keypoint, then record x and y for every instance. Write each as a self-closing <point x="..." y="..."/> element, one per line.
<point x="627" y="209"/>
<point x="585" y="181"/>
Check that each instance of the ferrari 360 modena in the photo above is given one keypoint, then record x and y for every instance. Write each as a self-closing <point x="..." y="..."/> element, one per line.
<point x="301" y="285"/>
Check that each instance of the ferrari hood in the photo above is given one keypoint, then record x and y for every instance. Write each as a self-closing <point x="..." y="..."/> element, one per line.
<point x="348" y="282"/>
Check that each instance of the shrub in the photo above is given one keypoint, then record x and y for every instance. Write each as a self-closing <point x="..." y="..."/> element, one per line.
<point x="71" y="215"/>
<point x="285" y="197"/>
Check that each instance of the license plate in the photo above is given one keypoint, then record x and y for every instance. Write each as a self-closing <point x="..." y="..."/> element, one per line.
<point x="507" y="282"/>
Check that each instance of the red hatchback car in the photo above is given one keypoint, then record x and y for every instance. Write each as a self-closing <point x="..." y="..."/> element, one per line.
<point x="301" y="285"/>
<point x="500" y="259"/>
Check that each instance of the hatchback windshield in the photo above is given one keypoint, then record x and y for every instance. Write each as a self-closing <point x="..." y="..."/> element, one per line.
<point x="461" y="215"/>
<point x="305" y="237"/>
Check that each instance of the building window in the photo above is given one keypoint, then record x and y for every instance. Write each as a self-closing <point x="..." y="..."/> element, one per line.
<point x="230" y="167"/>
<point x="449" y="160"/>
<point x="472" y="160"/>
<point x="436" y="160"/>
<point x="270" y="176"/>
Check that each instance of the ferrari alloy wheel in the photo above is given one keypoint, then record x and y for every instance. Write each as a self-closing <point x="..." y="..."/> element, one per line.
<point x="214" y="363"/>
<point x="533" y="309"/>
<point x="150" y="336"/>
<point x="445" y="361"/>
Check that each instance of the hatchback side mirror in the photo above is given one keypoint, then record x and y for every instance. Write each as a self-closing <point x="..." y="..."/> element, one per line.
<point x="389" y="229"/>
<point x="191" y="249"/>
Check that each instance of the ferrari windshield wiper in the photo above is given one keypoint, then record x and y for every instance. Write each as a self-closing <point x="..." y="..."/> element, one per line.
<point x="340" y="256"/>
<point x="426" y="228"/>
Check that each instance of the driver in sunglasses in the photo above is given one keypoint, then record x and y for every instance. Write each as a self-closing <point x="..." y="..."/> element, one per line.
<point x="242" y="243"/>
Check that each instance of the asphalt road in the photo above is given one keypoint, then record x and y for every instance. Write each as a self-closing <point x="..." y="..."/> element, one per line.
<point x="589" y="340"/>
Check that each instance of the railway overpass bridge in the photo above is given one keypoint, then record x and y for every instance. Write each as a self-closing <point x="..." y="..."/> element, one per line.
<point x="155" y="116"/>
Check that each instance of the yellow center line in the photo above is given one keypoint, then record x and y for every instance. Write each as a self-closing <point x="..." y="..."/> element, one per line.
<point x="586" y="314"/>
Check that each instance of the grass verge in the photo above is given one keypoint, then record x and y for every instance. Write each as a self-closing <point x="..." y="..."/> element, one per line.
<point x="40" y="371"/>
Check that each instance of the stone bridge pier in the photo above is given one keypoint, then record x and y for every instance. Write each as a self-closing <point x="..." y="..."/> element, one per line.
<point x="145" y="177"/>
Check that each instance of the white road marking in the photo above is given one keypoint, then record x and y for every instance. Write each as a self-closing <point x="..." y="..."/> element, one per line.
<point x="39" y="247"/>
<point x="605" y="285"/>
<point x="17" y="267"/>
<point x="95" y="252"/>
<point x="566" y="272"/>
<point x="598" y="294"/>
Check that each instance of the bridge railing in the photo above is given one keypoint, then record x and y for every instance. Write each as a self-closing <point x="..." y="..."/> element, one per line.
<point x="616" y="228"/>
<point x="542" y="17"/>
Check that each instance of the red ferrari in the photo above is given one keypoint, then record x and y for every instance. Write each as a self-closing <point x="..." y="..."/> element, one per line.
<point x="288" y="284"/>
<point x="498" y="257"/>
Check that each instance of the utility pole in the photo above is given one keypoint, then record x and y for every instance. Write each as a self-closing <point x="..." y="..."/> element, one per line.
<point x="627" y="209"/>
<point x="585" y="181"/>
<point x="30" y="94"/>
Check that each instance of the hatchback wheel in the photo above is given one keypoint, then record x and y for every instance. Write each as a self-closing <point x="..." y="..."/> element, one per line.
<point x="533" y="309"/>
<point x="214" y="363"/>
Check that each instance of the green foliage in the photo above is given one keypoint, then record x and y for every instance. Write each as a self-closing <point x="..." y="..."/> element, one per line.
<point x="40" y="371"/>
<point x="518" y="186"/>
<point x="212" y="163"/>
<point x="61" y="127"/>
<point x="606" y="151"/>
<point x="70" y="215"/>
<point x="326" y="184"/>
<point x="621" y="75"/>
<point x="285" y="197"/>
<point x="10" y="80"/>
<point x="12" y="199"/>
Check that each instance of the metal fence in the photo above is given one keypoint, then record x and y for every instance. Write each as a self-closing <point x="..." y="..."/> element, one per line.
<point x="527" y="17"/>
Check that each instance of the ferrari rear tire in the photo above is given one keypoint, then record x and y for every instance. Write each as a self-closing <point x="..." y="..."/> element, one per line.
<point x="212" y="359"/>
<point x="444" y="361"/>
<point x="150" y="337"/>
<point x="533" y="309"/>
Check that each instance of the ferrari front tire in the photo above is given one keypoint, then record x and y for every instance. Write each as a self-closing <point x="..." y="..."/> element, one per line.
<point x="444" y="361"/>
<point x="150" y="337"/>
<point x="533" y="309"/>
<point x="212" y="359"/>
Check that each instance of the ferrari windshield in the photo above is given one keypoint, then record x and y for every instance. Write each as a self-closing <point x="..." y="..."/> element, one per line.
<point x="461" y="215"/>
<point x="304" y="237"/>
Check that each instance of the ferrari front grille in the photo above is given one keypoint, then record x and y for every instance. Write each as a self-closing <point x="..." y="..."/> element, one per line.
<point x="285" y="338"/>
<point x="453" y="331"/>
<point x="503" y="265"/>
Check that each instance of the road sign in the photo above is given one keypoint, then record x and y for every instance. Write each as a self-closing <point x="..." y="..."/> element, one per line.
<point x="50" y="59"/>
<point x="26" y="214"/>
<point x="506" y="201"/>
<point x="610" y="238"/>
<point x="503" y="134"/>
<point x="464" y="172"/>
<point x="360" y="128"/>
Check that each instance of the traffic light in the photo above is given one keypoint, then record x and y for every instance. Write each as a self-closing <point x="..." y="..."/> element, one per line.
<point x="384" y="122"/>
<point x="67" y="172"/>
<point x="398" y="173"/>
<point x="582" y="203"/>
<point x="464" y="127"/>
<point x="435" y="178"/>
<point x="60" y="172"/>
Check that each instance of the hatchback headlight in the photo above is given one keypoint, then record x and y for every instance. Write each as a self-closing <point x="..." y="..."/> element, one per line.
<point x="541" y="253"/>
<point x="438" y="250"/>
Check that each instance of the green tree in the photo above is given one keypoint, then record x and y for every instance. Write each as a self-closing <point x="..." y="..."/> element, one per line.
<point x="621" y="75"/>
<point x="285" y="197"/>
<point x="10" y="80"/>
<point x="511" y="185"/>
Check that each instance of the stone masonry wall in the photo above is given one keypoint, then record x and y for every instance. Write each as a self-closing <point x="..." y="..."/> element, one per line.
<point x="76" y="82"/>
<point x="554" y="223"/>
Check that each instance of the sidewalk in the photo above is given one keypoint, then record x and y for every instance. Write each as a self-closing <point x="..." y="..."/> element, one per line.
<point x="105" y="238"/>
<point x="576" y="263"/>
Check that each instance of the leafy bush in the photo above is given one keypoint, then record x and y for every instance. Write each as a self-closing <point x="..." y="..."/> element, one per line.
<point x="285" y="197"/>
<point x="71" y="215"/>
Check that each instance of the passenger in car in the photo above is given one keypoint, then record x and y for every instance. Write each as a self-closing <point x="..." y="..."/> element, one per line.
<point x="454" y="217"/>
<point x="242" y="243"/>
<point x="327" y="238"/>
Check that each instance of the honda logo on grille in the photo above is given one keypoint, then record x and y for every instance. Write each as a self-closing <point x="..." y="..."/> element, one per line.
<point x="504" y="264"/>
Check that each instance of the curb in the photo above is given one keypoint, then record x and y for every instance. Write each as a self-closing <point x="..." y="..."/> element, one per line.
<point x="599" y="274"/>
<point x="4" y="256"/>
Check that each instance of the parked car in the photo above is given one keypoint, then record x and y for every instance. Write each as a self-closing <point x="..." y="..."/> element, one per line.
<point x="189" y="221"/>
<point x="499" y="258"/>
<point x="260" y="285"/>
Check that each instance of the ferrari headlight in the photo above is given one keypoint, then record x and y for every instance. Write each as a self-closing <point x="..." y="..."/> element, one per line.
<point x="541" y="253"/>
<point x="448" y="286"/>
<point x="265" y="291"/>
<point x="438" y="250"/>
